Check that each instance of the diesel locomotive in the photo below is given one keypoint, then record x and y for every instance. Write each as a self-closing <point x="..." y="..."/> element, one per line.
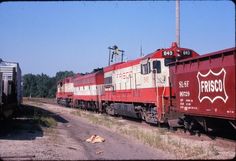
<point x="175" y="85"/>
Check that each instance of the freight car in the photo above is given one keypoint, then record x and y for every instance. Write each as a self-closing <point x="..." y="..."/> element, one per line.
<point x="203" y="90"/>
<point x="11" y="88"/>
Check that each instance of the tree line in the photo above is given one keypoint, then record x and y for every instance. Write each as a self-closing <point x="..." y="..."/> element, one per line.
<point x="42" y="85"/>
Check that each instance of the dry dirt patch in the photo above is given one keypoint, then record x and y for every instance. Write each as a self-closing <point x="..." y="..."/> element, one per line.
<point x="33" y="136"/>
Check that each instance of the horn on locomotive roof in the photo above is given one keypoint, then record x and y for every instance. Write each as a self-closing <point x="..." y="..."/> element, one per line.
<point x="115" y="51"/>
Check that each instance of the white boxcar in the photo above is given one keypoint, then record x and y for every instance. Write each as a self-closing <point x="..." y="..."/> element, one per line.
<point x="11" y="72"/>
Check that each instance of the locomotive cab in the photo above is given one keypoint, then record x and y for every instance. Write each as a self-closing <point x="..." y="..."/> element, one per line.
<point x="140" y="88"/>
<point x="155" y="76"/>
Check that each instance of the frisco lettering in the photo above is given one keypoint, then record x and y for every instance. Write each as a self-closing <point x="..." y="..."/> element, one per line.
<point x="211" y="86"/>
<point x="125" y="75"/>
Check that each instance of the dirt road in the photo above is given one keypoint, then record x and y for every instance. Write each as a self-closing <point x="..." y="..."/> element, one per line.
<point x="114" y="147"/>
<point x="67" y="139"/>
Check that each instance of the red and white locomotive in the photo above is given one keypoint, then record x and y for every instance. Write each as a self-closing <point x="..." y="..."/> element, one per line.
<point x="65" y="91"/>
<point x="88" y="90"/>
<point x="148" y="88"/>
<point x="140" y="88"/>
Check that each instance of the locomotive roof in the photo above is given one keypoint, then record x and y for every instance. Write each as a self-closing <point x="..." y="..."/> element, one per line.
<point x="174" y="47"/>
<point x="81" y="75"/>
<point x="96" y="77"/>
<point x="88" y="75"/>
<point x="156" y="54"/>
<point x="65" y="79"/>
<point x="206" y="56"/>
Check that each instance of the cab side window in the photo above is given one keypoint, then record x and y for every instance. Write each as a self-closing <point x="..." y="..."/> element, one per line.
<point x="145" y="68"/>
<point x="108" y="80"/>
<point x="156" y="66"/>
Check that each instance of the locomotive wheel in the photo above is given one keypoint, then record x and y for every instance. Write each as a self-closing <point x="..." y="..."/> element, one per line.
<point x="110" y="110"/>
<point x="143" y="115"/>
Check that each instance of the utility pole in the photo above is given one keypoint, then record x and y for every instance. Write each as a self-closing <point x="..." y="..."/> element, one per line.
<point x="141" y="50"/>
<point x="109" y="60"/>
<point x="178" y="22"/>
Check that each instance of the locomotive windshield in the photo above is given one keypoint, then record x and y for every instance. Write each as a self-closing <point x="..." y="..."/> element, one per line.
<point x="156" y="65"/>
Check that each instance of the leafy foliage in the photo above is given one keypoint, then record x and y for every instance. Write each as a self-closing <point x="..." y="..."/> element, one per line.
<point x="42" y="85"/>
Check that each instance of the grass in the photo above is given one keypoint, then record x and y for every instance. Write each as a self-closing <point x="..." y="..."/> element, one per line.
<point x="158" y="138"/>
<point x="103" y="120"/>
<point x="146" y="137"/>
<point x="38" y="100"/>
<point x="44" y="121"/>
<point x="38" y="116"/>
<point x="47" y="121"/>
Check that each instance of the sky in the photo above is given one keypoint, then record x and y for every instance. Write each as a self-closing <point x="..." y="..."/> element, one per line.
<point x="47" y="37"/>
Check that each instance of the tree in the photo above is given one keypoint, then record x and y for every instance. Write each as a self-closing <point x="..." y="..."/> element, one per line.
<point x="42" y="85"/>
<point x="29" y="85"/>
<point x="63" y="74"/>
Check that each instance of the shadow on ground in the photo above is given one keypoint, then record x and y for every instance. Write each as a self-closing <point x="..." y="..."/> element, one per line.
<point x="28" y="124"/>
